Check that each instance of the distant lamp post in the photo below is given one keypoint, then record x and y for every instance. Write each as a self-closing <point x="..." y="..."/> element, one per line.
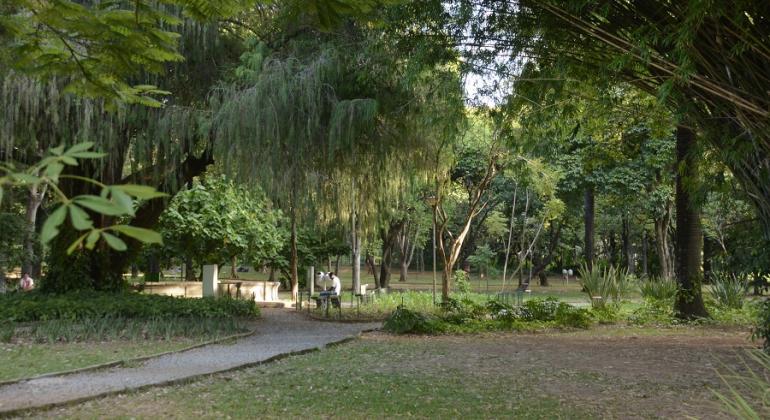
<point x="432" y="201"/>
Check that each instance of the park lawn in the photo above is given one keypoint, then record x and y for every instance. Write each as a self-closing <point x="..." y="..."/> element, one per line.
<point x="25" y="360"/>
<point x="615" y="373"/>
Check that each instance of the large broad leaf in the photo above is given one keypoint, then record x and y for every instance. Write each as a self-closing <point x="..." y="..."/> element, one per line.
<point x="93" y="236"/>
<point x="80" y="147"/>
<point x="25" y="178"/>
<point x="51" y="226"/>
<point x="79" y="218"/>
<point x="73" y="246"/>
<point x="143" y="235"/>
<point x="114" y="242"/>
<point x="139" y="191"/>
<point x="124" y="201"/>
<point x="100" y="205"/>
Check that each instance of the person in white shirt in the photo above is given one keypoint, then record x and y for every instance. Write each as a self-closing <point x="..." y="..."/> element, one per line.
<point x="336" y="284"/>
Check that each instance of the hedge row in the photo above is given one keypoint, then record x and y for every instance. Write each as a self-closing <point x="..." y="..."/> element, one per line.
<point x="33" y="306"/>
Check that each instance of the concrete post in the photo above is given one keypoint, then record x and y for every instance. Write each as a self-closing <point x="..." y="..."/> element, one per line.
<point x="210" y="280"/>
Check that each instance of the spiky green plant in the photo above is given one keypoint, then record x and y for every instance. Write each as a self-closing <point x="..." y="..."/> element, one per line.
<point x="658" y="288"/>
<point x="729" y="290"/>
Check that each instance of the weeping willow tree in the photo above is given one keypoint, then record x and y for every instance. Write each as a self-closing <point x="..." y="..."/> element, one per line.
<point x="334" y="132"/>
<point x="164" y="147"/>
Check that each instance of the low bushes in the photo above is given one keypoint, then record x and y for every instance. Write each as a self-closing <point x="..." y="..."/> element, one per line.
<point x="25" y="307"/>
<point x="110" y="329"/>
<point x="663" y="289"/>
<point x="465" y="315"/>
<point x="729" y="290"/>
<point x="603" y="285"/>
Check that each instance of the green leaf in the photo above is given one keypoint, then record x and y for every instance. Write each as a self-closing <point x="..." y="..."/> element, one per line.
<point x="140" y="191"/>
<point x="141" y="234"/>
<point x="51" y="225"/>
<point x="88" y="155"/>
<point x="93" y="236"/>
<point x="58" y="150"/>
<point x="53" y="170"/>
<point x="99" y="204"/>
<point x="79" y="218"/>
<point x="123" y="200"/>
<point x="114" y="242"/>
<point x="25" y="178"/>
<point x="73" y="246"/>
<point x="69" y="160"/>
<point x="80" y="147"/>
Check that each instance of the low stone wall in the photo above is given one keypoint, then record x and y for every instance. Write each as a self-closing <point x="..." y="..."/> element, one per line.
<point x="262" y="291"/>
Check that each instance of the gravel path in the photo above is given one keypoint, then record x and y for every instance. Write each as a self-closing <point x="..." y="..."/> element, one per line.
<point x="280" y="331"/>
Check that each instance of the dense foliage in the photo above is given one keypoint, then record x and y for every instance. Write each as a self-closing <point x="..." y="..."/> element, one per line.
<point x="23" y="307"/>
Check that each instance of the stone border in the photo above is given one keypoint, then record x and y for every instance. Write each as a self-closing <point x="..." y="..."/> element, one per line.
<point x="116" y="363"/>
<point x="180" y="381"/>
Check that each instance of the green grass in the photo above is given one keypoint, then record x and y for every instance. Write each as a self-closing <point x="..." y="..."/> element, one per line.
<point x="364" y="379"/>
<point x="31" y="359"/>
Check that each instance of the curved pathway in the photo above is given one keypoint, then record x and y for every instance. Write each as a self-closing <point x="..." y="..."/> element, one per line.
<point x="279" y="332"/>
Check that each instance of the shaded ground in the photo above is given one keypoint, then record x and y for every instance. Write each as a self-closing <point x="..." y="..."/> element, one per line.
<point x="278" y="332"/>
<point x="608" y="372"/>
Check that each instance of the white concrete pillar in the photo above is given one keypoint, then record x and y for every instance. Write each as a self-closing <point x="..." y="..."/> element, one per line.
<point x="210" y="280"/>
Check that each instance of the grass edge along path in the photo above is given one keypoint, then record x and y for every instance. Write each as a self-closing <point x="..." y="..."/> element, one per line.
<point x="128" y="361"/>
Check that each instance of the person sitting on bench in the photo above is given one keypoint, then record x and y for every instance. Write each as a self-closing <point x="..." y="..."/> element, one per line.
<point x="336" y="286"/>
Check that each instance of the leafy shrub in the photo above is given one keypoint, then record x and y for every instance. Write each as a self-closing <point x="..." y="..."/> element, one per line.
<point x="541" y="309"/>
<point x="653" y="312"/>
<point x="605" y="315"/>
<point x="462" y="281"/>
<point x="24" y="307"/>
<point x="403" y="321"/>
<point x="729" y="290"/>
<point x="762" y="327"/>
<point x="603" y="285"/>
<point x="570" y="316"/>
<point x="659" y="289"/>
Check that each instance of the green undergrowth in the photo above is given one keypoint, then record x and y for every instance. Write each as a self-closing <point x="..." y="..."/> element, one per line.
<point x="468" y="316"/>
<point x="98" y="317"/>
<point x="103" y="329"/>
<point x="33" y="306"/>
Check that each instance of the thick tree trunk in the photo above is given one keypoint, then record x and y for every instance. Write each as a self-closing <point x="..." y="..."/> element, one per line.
<point x="389" y="238"/>
<point x="31" y="258"/>
<point x="661" y="245"/>
<point x="373" y="269"/>
<point x="271" y="276"/>
<point x="404" y="272"/>
<point x="588" y="221"/>
<point x="189" y="269"/>
<point x="234" y="267"/>
<point x="689" y="299"/>
<point x="628" y="258"/>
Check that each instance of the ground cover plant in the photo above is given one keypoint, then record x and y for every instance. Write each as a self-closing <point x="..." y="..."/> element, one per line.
<point x="23" y="307"/>
<point x="95" y="317"/>
<point x="466" y="315"/>
<point x="493" y="375"/>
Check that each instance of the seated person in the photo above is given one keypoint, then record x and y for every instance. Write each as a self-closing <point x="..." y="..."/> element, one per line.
<point x="336" y="286"/>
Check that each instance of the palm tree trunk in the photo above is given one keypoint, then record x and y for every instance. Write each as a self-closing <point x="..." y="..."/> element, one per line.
<point x="689" y="299"/>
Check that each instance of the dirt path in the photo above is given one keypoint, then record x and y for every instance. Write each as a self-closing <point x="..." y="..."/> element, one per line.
<point x="612" y="373"/>
<point x="280" y="331"/>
